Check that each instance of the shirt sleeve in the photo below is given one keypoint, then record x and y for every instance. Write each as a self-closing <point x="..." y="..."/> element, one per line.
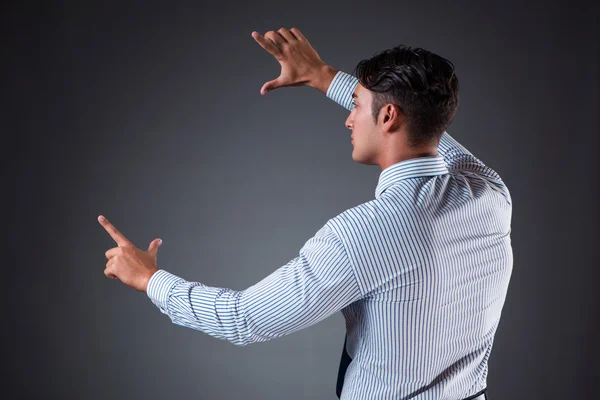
<point x="306" y="290"/>
<point x="456" y="156"/>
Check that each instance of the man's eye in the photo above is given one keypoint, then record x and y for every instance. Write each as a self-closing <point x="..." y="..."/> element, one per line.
<point x="354" y="104"/>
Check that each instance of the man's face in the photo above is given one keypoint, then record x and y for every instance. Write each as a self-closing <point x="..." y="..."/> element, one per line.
<point x="364" y="129"/>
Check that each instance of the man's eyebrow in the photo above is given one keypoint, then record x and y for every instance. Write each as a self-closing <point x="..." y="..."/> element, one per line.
<point x="354" y="95"/>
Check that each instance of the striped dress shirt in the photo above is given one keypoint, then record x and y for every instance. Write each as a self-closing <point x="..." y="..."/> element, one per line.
<point x="420" y="274"/>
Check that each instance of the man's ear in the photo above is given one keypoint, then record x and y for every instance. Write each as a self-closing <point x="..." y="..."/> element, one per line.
<point x="393" y="118"/>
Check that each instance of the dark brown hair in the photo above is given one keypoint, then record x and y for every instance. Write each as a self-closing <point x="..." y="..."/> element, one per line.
<point x="422" y="84"/>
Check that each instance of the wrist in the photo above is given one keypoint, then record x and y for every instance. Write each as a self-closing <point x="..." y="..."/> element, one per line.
<point x="323" y="77"/>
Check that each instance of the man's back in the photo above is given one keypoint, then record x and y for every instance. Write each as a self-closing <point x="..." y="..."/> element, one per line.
<point x="420" y="274"/>
<point x="432" y="256"/>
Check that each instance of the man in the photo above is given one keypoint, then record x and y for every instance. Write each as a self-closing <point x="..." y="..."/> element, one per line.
<point x="420" y="273"/>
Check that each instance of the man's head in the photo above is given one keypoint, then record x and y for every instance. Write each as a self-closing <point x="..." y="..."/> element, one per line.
<point x="405" y="100"/>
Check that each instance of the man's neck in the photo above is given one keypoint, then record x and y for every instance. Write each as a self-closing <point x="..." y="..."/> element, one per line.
<point x="396" y="158"/>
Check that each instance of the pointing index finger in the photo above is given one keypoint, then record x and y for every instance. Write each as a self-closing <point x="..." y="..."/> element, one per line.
<point x="113" y="232"/>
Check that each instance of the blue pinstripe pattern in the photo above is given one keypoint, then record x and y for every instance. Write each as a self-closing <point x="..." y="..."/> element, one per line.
<point x="420" y="274"/>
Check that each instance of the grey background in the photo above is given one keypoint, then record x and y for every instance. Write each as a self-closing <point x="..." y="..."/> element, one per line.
<point x="150" y="114"/>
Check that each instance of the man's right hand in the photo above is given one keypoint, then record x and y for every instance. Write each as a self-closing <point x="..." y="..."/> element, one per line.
<point x="300" y="63"/>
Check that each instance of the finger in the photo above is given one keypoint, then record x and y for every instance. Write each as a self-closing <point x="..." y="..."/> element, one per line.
<point x="286" y="34"/>
<point x="114" y="233"/>
<point x="110" y="253"/>
<point x="296" y="32"/>
<point x="108" y="271"/>
<point x="271" y="85"/>
<point x="111" y="276"/>
<point x="154" y="245"/>
<point x="276" y="38"/>
<point x="266" y="44"/>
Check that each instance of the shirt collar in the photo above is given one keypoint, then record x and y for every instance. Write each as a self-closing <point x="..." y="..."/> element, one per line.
<point x="411" y="168"/>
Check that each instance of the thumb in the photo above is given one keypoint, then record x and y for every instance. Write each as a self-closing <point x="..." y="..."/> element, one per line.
<point x="154" y="245"/>
<point x="271" y="85"/>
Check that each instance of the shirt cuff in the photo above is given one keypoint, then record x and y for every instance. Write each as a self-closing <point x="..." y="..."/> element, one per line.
<point x="341" y="88"/>
<point x="159" y="287"/>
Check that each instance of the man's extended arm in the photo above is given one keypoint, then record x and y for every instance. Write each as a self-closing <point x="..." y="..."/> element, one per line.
<point x="308" y="289"/>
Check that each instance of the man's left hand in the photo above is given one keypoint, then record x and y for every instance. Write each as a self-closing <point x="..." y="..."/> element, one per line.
<point x="127" y="263"/>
